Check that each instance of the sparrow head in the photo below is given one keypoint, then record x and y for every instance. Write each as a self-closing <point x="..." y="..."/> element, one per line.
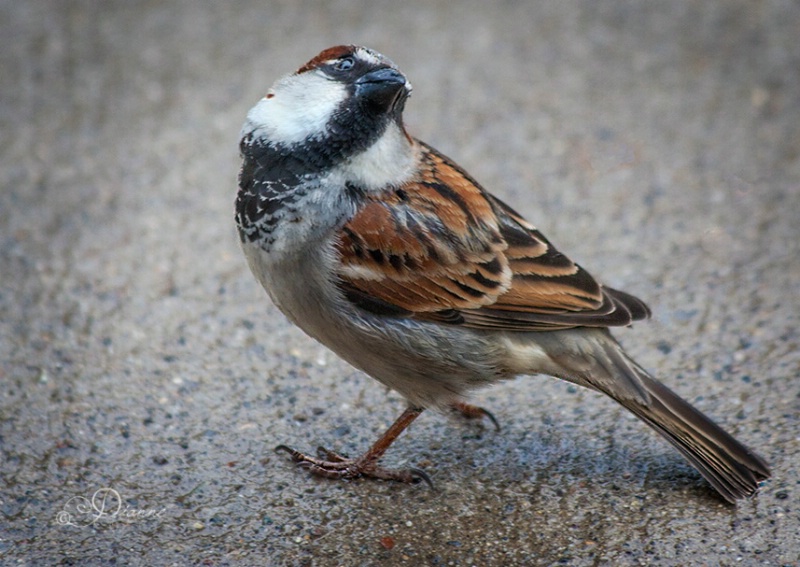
<point x="371" y="81"/>
<point x="346" y="96"/>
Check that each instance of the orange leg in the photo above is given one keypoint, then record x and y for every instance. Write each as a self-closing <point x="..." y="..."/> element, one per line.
<point x="332" y="465"/>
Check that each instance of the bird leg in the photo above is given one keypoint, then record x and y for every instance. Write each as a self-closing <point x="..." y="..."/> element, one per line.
<point x="475" y="412"/>
<point x="333" y="465"/>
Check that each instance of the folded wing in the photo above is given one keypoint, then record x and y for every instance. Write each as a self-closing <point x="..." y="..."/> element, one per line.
<point x="440" y="248"/>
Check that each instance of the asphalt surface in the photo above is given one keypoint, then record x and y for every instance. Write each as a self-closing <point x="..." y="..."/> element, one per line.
<point x="146" y="377"/>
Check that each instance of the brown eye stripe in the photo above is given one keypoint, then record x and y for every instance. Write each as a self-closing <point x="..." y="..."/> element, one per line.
<point x="327" y="55"/>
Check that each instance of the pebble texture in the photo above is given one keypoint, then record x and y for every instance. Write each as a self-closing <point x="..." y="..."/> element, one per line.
<point x="658" y="144"/>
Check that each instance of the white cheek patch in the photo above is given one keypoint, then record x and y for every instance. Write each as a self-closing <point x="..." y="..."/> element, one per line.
<point x="299" y="108"/>
<point x="390" y="161"/>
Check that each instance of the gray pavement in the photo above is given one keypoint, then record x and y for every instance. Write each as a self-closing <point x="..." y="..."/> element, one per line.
<point x="656" y="143"/>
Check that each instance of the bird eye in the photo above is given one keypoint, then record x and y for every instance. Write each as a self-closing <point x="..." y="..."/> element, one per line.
<point x="344" y="64"/>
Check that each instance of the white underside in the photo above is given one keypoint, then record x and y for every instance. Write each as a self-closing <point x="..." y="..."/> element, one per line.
<point x="389" y="162"/>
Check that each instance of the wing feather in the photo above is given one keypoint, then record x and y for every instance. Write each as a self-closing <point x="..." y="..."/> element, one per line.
<point x="439" y="248"/>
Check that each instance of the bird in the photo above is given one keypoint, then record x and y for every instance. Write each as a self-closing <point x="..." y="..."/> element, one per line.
<point x="395" y="258"/>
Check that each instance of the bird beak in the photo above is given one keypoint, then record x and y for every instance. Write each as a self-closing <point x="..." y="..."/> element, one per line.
<point x="383" y="87"/>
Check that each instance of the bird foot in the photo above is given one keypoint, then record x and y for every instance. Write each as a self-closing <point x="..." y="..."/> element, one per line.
<point x="333" y="465"/>
<point x="475" y="412"/>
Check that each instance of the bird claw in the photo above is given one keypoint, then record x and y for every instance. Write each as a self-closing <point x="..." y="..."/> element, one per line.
<point x="329" y="455"/>
<point x="475" y="412"/>
<point x="333" y="465"/>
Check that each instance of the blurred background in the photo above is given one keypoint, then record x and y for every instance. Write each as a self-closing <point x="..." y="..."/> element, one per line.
<point x="146" y="377"/>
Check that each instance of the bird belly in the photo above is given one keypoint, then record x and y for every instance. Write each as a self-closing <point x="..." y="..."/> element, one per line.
<point x="427" y="363"/>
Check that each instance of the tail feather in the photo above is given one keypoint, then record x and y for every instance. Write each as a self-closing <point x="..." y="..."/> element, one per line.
<point x="592" y="358"/>
<point x="732" y="469"/>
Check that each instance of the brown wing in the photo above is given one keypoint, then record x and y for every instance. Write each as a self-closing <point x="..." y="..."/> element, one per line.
<point x="440" y="248"/>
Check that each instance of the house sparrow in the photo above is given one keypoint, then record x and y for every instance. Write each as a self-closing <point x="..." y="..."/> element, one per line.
<point x="391" y="255"/>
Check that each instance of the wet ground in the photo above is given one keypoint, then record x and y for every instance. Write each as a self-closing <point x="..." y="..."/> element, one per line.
<point x="146" y="377"/>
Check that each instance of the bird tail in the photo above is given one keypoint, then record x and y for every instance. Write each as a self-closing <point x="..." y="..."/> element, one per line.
<point x="732" y="469"/>
<point x="592" y="358"/>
